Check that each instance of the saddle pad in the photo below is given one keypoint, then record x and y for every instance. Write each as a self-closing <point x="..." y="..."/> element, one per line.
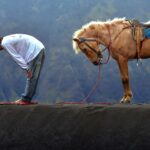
<point x="147" y="32"/>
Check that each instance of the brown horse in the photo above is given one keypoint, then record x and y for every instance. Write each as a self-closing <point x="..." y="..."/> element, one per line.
<point x="117" y="36"/>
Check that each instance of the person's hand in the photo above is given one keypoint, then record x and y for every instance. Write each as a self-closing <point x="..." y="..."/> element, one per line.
<point x="29" y="73"/>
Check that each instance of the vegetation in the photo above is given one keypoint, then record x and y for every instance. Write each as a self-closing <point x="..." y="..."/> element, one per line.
<point x="67" y="76"/>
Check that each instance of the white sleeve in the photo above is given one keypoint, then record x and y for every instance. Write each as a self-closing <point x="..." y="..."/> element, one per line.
<point x="16" y="57"/>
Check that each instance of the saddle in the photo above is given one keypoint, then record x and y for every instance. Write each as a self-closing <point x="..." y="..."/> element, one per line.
<point x="138" y="32"/>
<point x="138" y="23"/>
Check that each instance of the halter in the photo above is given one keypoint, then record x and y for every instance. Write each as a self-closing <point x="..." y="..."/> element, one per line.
<point x="99" y="53"/>
<point x="83" y="40"/>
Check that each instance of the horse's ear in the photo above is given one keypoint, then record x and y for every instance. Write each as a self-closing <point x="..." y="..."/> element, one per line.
<point x="76" y="40"/>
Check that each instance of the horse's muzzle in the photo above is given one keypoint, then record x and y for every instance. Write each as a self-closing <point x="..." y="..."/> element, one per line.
<point x="96" y="63"/>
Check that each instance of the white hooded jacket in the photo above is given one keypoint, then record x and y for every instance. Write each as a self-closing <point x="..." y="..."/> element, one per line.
<point x="22" y="48"/>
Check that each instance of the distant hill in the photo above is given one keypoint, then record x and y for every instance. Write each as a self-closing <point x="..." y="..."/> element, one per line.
<point x="66" y="76"/>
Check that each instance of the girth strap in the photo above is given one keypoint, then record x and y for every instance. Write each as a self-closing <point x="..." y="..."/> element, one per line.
<point x="138" y="35"/>
<point x="138" y="40"/>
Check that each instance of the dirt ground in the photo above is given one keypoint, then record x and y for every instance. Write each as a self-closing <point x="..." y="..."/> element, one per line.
<point x="75" y="127"/>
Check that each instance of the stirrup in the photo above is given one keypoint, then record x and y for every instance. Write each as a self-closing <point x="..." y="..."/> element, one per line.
<point x="139" y="61"/>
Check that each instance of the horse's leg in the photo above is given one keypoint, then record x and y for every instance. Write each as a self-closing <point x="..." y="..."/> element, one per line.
<point x="123" y="66"/>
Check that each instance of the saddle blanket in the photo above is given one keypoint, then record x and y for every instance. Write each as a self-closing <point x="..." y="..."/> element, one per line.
<point x="147" y="32"/>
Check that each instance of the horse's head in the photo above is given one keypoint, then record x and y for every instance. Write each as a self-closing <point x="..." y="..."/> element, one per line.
<point x="86" y="40"/>
<point x="90" y="47"/>
<point x="89" y="37"/>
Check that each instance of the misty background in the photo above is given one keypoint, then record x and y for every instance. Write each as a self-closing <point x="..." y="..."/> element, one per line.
<point x="66" y="76"/>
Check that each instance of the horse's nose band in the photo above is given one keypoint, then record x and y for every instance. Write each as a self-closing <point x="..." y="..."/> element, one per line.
<point x="83" y="40"/>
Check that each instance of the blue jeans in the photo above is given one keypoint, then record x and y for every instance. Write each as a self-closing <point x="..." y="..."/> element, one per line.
<point x="31" y="83"/>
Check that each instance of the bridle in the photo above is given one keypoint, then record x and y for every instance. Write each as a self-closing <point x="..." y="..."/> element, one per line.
<point x="99" y="53"/>
<point x="83" y="40"/>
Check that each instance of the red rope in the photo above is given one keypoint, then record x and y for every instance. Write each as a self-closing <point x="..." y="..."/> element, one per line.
<point x="97" y="81"/>
<point x="106" y="62"/>
<point x="94" y="87"/>
<point x="84" y="100"/>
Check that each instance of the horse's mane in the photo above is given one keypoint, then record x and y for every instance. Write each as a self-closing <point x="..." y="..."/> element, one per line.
<point x="90" y="25"/>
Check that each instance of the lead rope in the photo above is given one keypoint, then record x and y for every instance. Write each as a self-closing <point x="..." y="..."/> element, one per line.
<point x="98" y="77"/>
<point x="84" y="100"/>
<point x="93" y="89"/>
<point x="107" y="60"/>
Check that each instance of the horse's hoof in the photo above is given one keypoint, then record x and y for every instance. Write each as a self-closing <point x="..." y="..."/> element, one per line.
<point x="125" y="101"/>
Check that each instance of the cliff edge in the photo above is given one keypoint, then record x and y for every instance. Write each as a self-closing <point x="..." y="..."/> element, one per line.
<point x="75" y="127"/>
